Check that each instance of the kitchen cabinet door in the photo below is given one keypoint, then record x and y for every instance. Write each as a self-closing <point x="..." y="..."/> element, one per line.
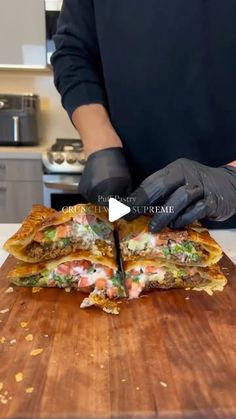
<point x="17" y="198"/>
<point x="22" y="34"/>
<point x="20" y="169"/>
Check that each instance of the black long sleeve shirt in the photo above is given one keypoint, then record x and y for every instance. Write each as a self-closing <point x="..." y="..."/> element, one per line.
<point x="165" y="70"/>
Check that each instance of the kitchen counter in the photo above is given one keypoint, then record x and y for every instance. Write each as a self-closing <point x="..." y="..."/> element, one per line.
<point x="31" y="152"/>
<point x="226" y="238"/>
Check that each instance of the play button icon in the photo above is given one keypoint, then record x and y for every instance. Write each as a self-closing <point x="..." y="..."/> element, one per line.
<point x="117" y="209"/>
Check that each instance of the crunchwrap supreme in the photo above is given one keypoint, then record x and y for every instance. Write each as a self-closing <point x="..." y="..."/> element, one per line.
<point x="48" y="234"/>
<point x="191" y="245"/>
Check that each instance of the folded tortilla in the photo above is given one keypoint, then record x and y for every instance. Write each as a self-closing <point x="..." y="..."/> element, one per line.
<point x="81" y="271"/>
<point x="48" y="234"/>
<point x="191" y="245"/>
<point x="143" y="275"/>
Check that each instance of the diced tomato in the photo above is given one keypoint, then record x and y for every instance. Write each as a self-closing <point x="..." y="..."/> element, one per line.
<point x="108" y="271"/>
<point x="101" y="283"/>
<point x="135" y="290"/>
<point x="79" y="267"/>
<point x="112" y="292"/>
<point x="150" y="269"/>
<point x="85" y="264"/>
<point x="39" y="237"/>
<point x="128" y="283"/>
<point x="134" y="272"/>
<point x="63" y="269"/>
<point x="51" y="283"/>
<point x="83" y="282"/>
<point x="63" y="231"/>
<point x="81" y="219"/>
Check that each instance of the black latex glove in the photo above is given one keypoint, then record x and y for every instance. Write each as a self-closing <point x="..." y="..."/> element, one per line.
<point x="194" y="190"/>
<point x="105" y="174"/>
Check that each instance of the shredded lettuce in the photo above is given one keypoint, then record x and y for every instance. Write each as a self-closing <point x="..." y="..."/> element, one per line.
<point x="165" y="251"/>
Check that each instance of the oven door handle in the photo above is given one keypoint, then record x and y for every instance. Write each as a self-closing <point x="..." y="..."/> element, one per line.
<point x="67" y="187"/>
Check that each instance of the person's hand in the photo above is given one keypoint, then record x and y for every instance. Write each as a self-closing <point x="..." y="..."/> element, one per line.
<point x="105" y="174"/>
<point x="195" y="191"/>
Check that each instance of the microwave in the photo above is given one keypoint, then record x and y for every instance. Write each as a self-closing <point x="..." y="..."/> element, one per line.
<point x="52" y="11"/>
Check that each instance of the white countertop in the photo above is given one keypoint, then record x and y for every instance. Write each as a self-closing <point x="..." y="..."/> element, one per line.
<point x="226" y="238"/>
<point x="20" y="152"/>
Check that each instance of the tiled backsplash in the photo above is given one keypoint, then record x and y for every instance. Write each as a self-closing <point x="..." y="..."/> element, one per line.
<point x="53" y="120"/>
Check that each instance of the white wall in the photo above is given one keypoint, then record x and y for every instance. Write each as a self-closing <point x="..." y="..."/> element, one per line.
<point x="53" y="120"/>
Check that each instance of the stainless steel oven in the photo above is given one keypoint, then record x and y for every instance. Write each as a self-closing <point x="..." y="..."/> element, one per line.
<point x="61" y="190"/>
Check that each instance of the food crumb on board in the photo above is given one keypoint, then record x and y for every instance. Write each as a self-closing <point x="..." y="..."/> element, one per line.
<point x="36" y="289"/>
<point x="36" y="352"/>
<point x="137" y="388"/>
<point x="24" y="324"/>
<point x="10" y="398"/>
<point x="1" y="386"/>
<point x="3" y="400"/>
<point x="12" y="342"/>
<point x="5" y="393"/>
<point x="5" y="310"/>
<point x="29" y="337"/>
<point x="123" y="380"/>
<point x="163" y="384"/>
<point x="9" y="290"/>
<point x="29" y="390"/>
<point x="101" y="366"/>
<point x="2" y="339"/>
<point x="19" y="377"/>
<point x="67" y="289"/>
<point x="92" y="355"/>
<point x="187" y="289"/>
<point x="46" y="336"/>
<point x="187" y="298"/>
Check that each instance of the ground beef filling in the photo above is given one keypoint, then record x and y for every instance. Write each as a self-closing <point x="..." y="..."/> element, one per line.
<point x="56" y="249"/>
<point x="170" y="282"/>
<point x="179" y="258"/>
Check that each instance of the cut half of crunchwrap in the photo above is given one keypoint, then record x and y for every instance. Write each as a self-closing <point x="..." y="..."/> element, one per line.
<point x="144" y="275"/>
<point x="47" y="234"/>
<point x="191" y="245"/>
<point x="79" y="270"/>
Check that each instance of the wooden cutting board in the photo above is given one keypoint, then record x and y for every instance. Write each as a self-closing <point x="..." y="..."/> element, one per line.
<point x="164" y="356"/>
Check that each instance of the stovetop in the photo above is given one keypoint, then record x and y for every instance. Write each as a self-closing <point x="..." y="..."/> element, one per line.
<point x="65" y="156"/>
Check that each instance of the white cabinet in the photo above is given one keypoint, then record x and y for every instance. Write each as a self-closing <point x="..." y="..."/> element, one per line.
<point x="20" y="187"/>
<point x="22" y="34"/>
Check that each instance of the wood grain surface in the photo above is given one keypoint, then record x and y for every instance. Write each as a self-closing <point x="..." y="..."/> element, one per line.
<point x="164" y="356"/>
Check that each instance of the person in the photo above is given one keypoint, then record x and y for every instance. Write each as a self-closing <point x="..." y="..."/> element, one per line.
<point x="151" y="88"/>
